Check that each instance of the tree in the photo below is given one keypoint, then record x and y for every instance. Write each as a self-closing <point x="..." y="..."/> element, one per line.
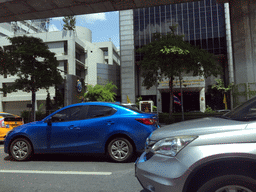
<point x="69" y="23"/>
<point x="168" y="56"/>
<point x="33" y="63"/>
<point x="101" y="92"/>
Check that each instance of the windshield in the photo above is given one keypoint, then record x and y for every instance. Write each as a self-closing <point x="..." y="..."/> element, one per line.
<point x="244" y="112"/>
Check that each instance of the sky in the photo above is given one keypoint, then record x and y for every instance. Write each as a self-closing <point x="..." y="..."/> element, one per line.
<point x="103" y="26"/>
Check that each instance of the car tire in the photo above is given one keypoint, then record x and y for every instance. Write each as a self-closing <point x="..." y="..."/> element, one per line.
<point x="229" y="183"/>
<point x="21" y="149"/>
<point x="120" y="150"/>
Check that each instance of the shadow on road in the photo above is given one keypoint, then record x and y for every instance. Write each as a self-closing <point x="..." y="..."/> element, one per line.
<point x="70" y="158"/>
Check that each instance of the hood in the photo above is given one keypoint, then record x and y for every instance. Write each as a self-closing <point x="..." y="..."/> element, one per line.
<point x="198" y="127"/>
<point x="25" y="126"/>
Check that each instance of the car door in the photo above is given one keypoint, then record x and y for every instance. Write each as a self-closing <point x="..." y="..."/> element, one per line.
<point x="65" y="129"/>
<point x="95" y="128"/>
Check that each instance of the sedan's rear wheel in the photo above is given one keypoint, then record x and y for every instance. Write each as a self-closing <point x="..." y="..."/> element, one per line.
<point x="21" y="149"/>
<point x="229" y="183"/>
<point x="120" y="150"/>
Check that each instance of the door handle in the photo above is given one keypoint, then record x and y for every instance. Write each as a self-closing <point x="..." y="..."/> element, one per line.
<point x="71" y="127"/>
<point x="110" y="122"/>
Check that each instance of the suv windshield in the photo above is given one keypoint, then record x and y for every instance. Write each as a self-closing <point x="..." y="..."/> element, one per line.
<point x="244" y="112"/>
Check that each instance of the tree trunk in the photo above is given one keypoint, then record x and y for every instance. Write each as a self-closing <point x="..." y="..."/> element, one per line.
<point x="33" y="115"/>
<point x="171" y="96"/>
<point x="181" y="94"/>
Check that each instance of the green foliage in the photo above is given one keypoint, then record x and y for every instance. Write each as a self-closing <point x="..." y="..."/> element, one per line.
<point x="209" y="110"/>
<point x="33" y="63"/>
<point x="101" y="92"/>
<point x="220" y="86"/>
<point x="69" y="23"/>
<point x="138" y="101"/>
<point x="168" y="56"/>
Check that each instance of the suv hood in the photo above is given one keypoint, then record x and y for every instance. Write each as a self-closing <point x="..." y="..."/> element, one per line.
<point x="198" y="127"/>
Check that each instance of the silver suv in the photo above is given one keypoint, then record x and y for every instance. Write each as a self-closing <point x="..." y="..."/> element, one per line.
<point x="204" y="155"/>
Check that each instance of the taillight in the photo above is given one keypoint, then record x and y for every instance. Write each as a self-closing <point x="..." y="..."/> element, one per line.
<point x="147" y="121"/>
<point x="2" y="125"/>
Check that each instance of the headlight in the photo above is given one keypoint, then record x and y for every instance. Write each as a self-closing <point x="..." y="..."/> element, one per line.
<point x="171" y="146"/>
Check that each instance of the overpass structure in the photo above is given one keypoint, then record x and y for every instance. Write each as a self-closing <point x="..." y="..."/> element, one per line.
<point x="242" y="16"/>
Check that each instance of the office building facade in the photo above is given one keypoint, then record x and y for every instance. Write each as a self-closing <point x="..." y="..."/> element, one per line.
<point x="203" y="24"/>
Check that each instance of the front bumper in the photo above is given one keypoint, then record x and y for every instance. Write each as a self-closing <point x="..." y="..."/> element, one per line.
<point x="161" y="173"/>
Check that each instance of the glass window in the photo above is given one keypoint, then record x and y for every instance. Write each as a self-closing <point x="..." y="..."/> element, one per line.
<point x="215" y="34"/>
<point x="95" y="111"/>
<point x="157" y="11"/>
<point x="168" y="8"/>
<point x="209" y="22"/>
<point x="208" y="3"/>
<point x="174" y="9"/>
<point x="202" y="15"/>
<point x="70" y="114"/>
<point x="197" y="23"/>
<point x="204" y="43"/>
<point x="203" y="35"/>
<point x="197" y="36"/>
<point x="178" y="8"/>
<point x="214" y="2"/>
<point x="216" y="43"/>
<point x="198" y="42"/>
<point x="201" y="3"/>
<point x="190" y="5"/>
<point x="209" y="34"/>
<point x="214" y="8"/>
<point x="223" y="42"/>
<point x="215" y="21"/>
<point x="210" y="43"/>
<point x="191" y="35"/>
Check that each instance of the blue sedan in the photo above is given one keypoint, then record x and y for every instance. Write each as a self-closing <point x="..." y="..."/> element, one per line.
<point x="91" y="127"/>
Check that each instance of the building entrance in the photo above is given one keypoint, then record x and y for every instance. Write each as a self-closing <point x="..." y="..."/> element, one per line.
<point x="190" y="102"/>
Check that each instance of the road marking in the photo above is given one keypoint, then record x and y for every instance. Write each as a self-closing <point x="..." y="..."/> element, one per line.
<point x="57" y="172"/>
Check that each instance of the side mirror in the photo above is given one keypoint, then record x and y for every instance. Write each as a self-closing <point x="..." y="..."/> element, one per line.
<point x="49" y="121"/>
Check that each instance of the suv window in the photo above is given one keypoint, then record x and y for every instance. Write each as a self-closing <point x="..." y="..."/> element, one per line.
<point x="95" y="111"/>
<point x="70" y="114"/>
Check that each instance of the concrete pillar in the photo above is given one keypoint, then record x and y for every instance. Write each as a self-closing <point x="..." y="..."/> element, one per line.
<point x="202" y="100"/>
<point x="243" y="27"/>
<point x="127" y="56"/>
<point x="159" y="101"/>
<point x="71" y="57"/>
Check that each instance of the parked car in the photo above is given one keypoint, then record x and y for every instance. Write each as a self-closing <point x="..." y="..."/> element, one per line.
<point x="130" y="105"/>
<point x="8" y="122"/>
<point x="213" y="154"/>
<point x="91" y="127"/>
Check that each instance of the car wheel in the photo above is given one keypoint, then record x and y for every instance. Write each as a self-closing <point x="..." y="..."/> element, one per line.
<point x="21" y="149"/>
<point x="120" y="150"/>
<point x="228" y="183"/>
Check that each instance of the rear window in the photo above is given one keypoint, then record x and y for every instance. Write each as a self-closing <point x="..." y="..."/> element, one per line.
<point x="132" y="108"/>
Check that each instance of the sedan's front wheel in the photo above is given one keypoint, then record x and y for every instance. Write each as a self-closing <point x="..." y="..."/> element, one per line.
<point x="21" y="149"/>
<point x="120" y="150"/>
<point x="229" y="183"/>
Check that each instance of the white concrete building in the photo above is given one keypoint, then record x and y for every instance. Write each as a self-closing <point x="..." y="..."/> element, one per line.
<point x="24" y="27"/>
<point x="78" y="60"/>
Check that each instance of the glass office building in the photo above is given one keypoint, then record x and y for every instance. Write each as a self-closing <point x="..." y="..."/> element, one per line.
<point x="202" y="23"/>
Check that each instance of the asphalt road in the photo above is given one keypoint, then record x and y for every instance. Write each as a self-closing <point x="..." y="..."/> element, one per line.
<point x="58" y="173"/>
